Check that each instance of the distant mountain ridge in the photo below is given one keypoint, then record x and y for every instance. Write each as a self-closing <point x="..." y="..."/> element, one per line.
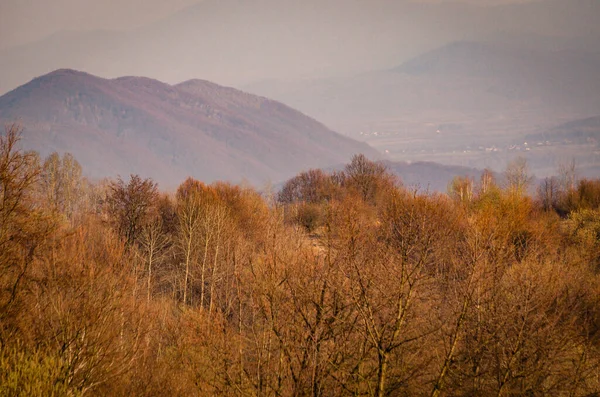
<point x="168" y="132"/>
<point x="464" y="80"/>
<point x="464" y="103"/>
<point x="580" y="131"/>
<point x="240" y="42"/>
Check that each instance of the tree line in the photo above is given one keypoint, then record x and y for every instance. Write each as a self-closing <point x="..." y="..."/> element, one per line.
<point x="342" y="283"/>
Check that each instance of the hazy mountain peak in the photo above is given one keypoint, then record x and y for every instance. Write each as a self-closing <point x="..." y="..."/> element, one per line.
<point x="205" y="87"/>
<point x="65" y="75"/>
<point x="197" y="83"/>
<point x="67" y="72"/>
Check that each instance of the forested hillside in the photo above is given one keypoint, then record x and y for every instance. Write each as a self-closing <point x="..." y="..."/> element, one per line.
<point x="342" y="283"/>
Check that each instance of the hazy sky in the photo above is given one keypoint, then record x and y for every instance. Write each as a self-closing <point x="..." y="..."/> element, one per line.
<point x="23" y="21"/>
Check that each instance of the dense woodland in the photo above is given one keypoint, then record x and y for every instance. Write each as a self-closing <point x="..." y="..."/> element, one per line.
<point x="342" y="283"/>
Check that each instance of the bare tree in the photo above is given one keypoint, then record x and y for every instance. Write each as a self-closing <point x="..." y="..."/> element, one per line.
<point x="62" y="183"/>
<point x="517" y="176"/>
<point x="217" y="217"/>
<point x="367" y="177"/>
<point x="189" y="213"/>
<point x="461" y="189"/>
<point x="549" y="193"/>
<point x="567" y="174"/>
<point x="153" y="247"/>
<point x="130" y="205"/>
<point x="19" y="228"/>
<point x="486" y="182"/>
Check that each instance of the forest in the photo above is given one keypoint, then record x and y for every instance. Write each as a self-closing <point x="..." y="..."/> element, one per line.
<point x="341" y="283"/>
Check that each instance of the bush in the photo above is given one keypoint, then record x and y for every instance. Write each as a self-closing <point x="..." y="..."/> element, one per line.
<point x="24" y="373"/>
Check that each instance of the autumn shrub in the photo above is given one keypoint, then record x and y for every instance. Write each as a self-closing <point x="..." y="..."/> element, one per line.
<point x="33" y="373"/>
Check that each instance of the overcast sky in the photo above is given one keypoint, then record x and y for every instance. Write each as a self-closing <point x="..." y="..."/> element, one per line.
<point x="23" y="21"/>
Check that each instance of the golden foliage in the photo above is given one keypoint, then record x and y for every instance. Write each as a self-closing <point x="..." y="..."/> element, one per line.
<point x="348" y="285"/>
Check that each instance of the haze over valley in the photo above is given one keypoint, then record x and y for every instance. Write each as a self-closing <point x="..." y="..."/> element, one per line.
<point x="467" y="103"/>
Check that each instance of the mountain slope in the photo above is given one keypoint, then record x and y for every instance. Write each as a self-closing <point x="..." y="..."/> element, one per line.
<point x="580" y="131"/>
<point x="471" y="80"/>
<point x="476" y="85"/>
<point x="585" y="128"/>
<point x="139" y="125"/>
<point x="560" y="77"/>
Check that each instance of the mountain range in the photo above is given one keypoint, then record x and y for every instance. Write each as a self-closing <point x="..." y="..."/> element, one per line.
<point x="196" y="128"/>
<point x="168" y="132"/>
